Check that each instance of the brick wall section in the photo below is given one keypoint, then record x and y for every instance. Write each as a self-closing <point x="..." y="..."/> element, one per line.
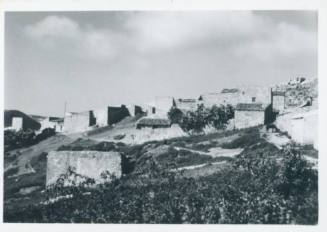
<point x="86" y="163"/>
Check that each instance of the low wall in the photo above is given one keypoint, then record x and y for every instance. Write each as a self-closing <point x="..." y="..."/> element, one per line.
<point x="85" y="163"/>
<point x="246" y="119"/>
<point x="302" y="127"/>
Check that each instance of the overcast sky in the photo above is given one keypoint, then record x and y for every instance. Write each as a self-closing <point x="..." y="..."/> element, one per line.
<point x="93" y="59"/>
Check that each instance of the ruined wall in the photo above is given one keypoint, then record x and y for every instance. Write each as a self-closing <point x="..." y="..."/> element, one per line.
<point x="245" y="119"/>
<point x="101" y="116"/>
<point x="27" y="121"/>
<point x="46" y="123"/>
<point x="17" y="123"/>
<point x="134" y="110"/>
<point x="76" y="122"/>
<point x="85" y="163"/>
<point x="278" y="103"/>
<point x="116" y="114"/>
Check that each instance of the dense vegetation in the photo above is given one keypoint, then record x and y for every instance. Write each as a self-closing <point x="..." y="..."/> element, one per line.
<point x="24" y="138"/>
<point x="196" y="121"/>
<point x="262" y="185"/>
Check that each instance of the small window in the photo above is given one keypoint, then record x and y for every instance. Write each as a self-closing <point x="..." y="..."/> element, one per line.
<point x="253" y="99"/>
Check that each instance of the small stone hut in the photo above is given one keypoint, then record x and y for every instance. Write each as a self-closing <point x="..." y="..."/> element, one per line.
<point x="249" y="115"/>
<point x="82" y="164"/>
<point x="17" y="120"/>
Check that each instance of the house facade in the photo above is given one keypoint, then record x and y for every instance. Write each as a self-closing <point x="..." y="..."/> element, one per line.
<point x="249" y="115"/>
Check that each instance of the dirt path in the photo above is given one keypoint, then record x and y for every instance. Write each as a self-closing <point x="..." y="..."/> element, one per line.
<point x="50" y="144"/>
<point x="215" y="151"/>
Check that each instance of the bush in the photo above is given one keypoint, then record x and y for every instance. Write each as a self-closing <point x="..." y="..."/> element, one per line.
<point x="24" y="138"/>
<point x="196" y="121"/>
<point x="256" y="188"/>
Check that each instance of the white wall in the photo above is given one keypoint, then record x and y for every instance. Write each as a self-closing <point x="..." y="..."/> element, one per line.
<point x="245" y="119"/>
<point x="101" y="116"/>
<point x="17" y="123"/>
<point x="302" y="127"/>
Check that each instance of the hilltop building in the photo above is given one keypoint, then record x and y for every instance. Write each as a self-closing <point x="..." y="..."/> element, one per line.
<point x="250" y="94"/>
<point x="87" y="120"/>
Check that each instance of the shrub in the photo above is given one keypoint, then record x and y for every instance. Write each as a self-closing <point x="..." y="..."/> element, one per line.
<point x="196" y="121"/>
<point x="24" y="138"/>
<point x="175" y="115"/>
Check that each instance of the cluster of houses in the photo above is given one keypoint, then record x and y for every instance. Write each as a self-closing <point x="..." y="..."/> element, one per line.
<point x="254" y="105"/>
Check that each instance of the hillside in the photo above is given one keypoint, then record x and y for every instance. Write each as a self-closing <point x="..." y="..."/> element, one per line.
<point x="125" y="131"/>
<point x="214" y="165"/>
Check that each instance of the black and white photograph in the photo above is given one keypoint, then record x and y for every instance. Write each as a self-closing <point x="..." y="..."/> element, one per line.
<point x="161" y="117"/>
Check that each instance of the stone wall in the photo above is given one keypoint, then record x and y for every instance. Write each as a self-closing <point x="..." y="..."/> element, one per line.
<point x="116" y="114"/>
<point x="186" y="104"/>
<point x="85" y="163"/>
<point x="208" y="100"/>
<point x="245" y="119"/>
<point x="301" y="126"/>
<point x="255" y="94"/>
<point x="46" y="123"/>
<point x="163" y="105"/>
<point x="76" y="122"/>
<point x="244" y="94"/>
<point x="17" y="123"/>
<point x="278" y="103"/>
<point x="101" y="116"/>
<point x="298" y="93"/>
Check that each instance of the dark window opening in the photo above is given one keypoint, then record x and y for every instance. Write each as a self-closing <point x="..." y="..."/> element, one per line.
<point x="253" y="99"/>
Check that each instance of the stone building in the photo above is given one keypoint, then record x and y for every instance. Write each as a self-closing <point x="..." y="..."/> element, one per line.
<point x="249" y="115"/>
<point x="17" y="120"/>
<point x="77" y="122"/>
<point x="82" y="164"/>
<point x="225" y="97"/>
<point x="278" y="101"/>
<point x="244" y="94"/>
<point x="163" y="105"/>
<point x="87" y="120"/>
<point x="255" y="94"/>
<point x="134" y="110"/>
<point x="186" y="104"/>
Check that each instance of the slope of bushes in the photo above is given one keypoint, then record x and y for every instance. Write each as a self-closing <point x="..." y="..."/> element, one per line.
<point x="258" y="188"/>
<point x="24" y="138"/>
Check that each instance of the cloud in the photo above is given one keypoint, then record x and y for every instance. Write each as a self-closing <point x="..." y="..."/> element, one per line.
<point x="164" y="30"/>
<point x="238" y="33"/>
<point x="60" y="32"/>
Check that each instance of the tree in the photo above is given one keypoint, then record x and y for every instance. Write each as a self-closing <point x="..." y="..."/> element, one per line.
<point x="175" y="115"/>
